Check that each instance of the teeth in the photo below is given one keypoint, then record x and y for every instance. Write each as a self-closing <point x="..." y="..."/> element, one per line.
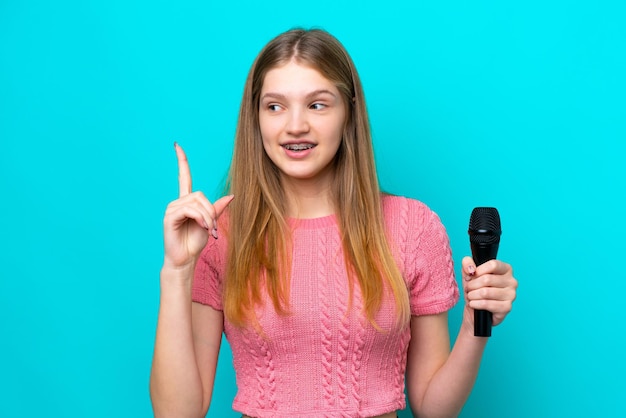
<point x="298" y="147"/>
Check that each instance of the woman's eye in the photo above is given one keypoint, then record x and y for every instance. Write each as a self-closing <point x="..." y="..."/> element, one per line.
<point x="318" y="106"/>
<point x="273" y="107"/>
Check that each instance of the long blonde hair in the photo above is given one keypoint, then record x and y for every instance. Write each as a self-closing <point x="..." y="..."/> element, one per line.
<point x="259" y="245"/>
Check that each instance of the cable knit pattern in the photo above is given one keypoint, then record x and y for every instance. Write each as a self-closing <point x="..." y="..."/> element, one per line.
<point x="357" y="351"/>
<point x="400" y="363"/>
<point x="326" y="322"/>
<point x="270" y="375"/>
<point x="325" y="359"/>
<point x="258" y="368"/>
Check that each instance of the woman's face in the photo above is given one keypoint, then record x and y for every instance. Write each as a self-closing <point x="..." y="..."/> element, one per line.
<point x="302" y="117"/>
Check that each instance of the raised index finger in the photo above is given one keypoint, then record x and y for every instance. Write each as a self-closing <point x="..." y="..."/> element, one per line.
<point x="184" y="175"/>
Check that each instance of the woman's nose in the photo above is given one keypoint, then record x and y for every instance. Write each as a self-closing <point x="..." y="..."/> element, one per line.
<point x="298" y="122"/>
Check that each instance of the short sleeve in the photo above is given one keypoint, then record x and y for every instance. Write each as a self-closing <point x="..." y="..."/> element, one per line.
<point x="428" y="266"/>
<point x="208" y="276"/>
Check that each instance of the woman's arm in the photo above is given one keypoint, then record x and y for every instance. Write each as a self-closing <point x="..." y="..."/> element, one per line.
<point x="186" y="349"/>
<point x="188" y="335"/>
<point x="439" y="381"/>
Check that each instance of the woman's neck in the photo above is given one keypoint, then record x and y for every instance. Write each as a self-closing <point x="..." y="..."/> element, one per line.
<point x="308" y="199"/>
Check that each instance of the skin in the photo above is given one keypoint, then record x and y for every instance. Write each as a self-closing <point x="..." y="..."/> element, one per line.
<point x="188" y="337"/>
<point x="300" y="106"/>
<point x="438" y="380"/>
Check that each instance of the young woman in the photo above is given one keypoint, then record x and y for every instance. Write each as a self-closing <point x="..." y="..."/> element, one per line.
<point x="332" y="295"/>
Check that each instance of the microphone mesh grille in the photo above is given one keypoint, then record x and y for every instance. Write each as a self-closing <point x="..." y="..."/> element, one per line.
<point x="484" y="226"/>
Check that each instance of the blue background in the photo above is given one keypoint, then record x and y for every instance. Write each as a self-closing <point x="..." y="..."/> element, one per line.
<point x="519" y="105"/>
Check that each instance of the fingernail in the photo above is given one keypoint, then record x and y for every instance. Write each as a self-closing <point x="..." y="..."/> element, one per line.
<point x="175" y="144"/>
<point x="205" y="226"/>
<point x="471" y="270"/>
<point x="214" y="233"/>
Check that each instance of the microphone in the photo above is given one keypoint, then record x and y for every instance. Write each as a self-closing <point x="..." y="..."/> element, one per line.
<point x="484" y="234"/>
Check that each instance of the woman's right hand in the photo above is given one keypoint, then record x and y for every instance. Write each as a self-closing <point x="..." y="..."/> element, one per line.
<point x="189" y="220"/>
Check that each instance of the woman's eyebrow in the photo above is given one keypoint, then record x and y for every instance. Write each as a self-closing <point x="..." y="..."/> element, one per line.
<point x="308" y="96"/>
<point x="320" y="92"/>
<point x="273" y="96"/>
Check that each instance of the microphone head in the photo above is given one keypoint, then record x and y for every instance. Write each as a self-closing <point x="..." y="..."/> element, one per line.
<point x="484" y="226"/>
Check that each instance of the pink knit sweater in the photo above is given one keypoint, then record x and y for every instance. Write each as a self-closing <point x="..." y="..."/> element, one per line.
<point x="325" y="359"/>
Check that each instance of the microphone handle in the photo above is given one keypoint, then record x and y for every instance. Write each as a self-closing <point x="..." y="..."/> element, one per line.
<point x="481" y="253"/>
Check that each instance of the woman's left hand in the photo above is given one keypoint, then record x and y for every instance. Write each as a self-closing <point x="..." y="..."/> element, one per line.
<point x="490" y="286"/>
